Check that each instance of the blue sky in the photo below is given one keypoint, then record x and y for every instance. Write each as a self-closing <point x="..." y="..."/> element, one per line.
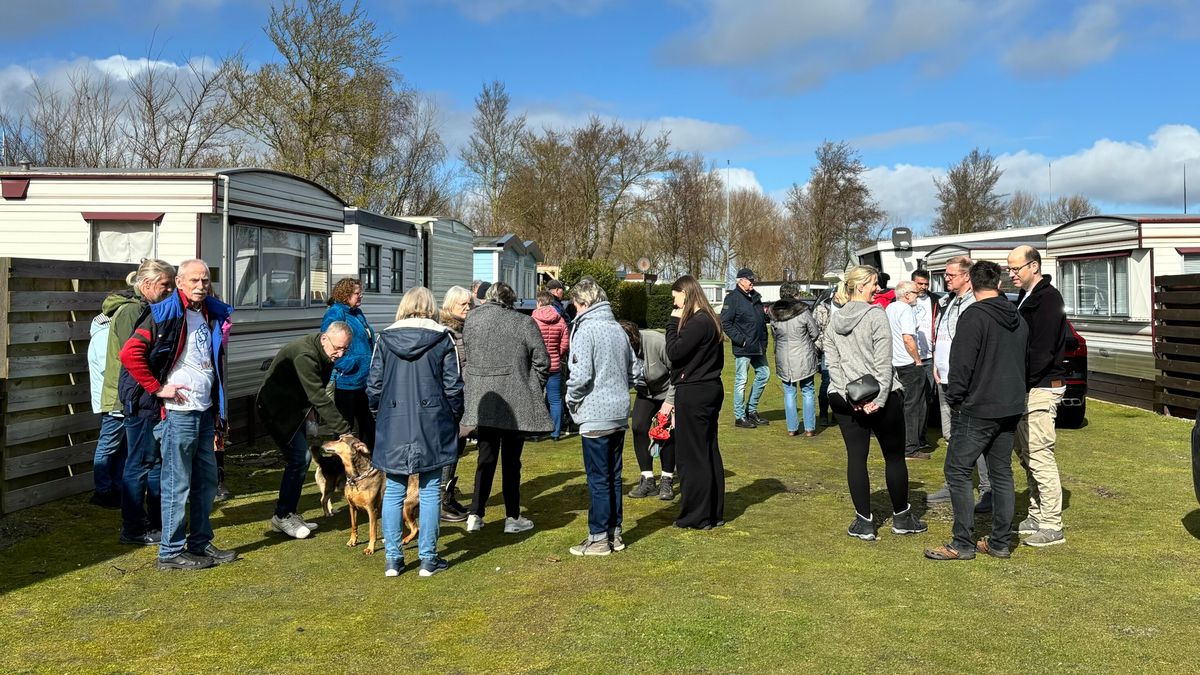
<point x="1103" y="92"/>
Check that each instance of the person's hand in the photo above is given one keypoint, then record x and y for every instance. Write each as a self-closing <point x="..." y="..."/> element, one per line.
<point x="666" y="409"/>
<point x="870" y="408"/>
<point x="937" y="379"/>
<point x="677" y="312"/>
<point x="173" y="393"/>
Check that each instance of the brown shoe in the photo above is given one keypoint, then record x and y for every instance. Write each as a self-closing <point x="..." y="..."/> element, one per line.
<point x="809" y="434"/>
<point x="918" y="455"/>
<point x="948" y="552"/>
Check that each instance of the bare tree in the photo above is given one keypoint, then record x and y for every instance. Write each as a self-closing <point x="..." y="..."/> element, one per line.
<point x="834" y="213"/>
<point x="759" y="238"/>
<point x="968" y="198"/>
<point x="77" y="126"/>
<point x="686" y="210"/>
<point x="1068" y="208"/>
<point x="492" y="152"/>
<point x="1025" y="210"/>
<point x="423" y="185"/>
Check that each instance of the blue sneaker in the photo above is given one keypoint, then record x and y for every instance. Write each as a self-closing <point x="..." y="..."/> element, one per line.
<point x="432" y="567"/>
<point x="393" y="568"/>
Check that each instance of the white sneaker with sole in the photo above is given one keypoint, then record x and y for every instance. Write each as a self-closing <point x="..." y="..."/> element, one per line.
<point x="293" y="526"/>
<point x="474" y="523"/>
<point x="518" y="524"/>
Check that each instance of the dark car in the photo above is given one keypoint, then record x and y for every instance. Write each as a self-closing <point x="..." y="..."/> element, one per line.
<point x="1072" y="411"/>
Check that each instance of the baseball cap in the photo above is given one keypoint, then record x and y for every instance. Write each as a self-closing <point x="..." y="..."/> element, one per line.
<point x="746" y="273"/>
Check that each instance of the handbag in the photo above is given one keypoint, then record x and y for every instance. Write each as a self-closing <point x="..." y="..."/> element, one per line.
<point x="863" y="389"/>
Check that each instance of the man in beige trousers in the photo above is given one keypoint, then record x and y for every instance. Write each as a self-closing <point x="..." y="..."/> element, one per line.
<point x="1041" y="305"/>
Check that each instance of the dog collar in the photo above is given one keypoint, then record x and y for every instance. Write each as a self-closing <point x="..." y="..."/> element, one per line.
<point x="353" y="482"/>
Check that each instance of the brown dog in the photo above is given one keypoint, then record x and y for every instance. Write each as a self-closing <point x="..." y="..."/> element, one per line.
<point x="364" y="485"/>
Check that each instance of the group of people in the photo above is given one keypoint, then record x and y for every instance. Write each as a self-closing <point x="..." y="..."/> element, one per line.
<point x="415" y="391"/>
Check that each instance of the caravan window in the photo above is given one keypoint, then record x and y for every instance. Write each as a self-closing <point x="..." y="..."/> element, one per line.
<point x="397" y="270"/>
<point x="274" y="268"/>
<point x="368" y="274"/>
<point x="1095" y="286"/>
<point x="1191" y="263"/>
<point x="122" y="241"/>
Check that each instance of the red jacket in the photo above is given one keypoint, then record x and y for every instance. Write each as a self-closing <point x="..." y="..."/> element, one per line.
<point x="884" y="298"/>
<point x="554" y="334"/>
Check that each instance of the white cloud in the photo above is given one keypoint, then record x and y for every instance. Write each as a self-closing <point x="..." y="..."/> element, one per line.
<point x="738" y="178"/>
<point x="1093" y="39"/>
<point x="1116" y="175"/>
<point x="910" y="135"/>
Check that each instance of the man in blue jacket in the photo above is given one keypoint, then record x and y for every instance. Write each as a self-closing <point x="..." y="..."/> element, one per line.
<point x="745" y="322"/>
<point x="174" y="370"/>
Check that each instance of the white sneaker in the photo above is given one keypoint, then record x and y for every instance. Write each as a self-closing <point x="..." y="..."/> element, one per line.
<point x="293" y="526"/>
<point x="518" y="524"/>
<point x="474" y="523"/>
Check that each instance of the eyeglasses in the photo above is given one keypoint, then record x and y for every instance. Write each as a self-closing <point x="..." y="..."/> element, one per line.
<point x="955" y="275"/>
<point x="1012" y="270"/>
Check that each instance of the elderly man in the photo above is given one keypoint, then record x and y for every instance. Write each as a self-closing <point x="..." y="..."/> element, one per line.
<point x="294" y="388"/>
<point x="175" y="360"/>
<point x="558" y="290"/>
<point x="910" y="368"/>
<point x="603" y="370"/>
<point x="1041" y="305"/>
<point x="745" y="322"/>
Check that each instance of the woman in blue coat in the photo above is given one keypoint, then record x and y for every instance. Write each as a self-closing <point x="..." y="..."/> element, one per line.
<point x="416" y="391"/>
<point x="350" y="371"/>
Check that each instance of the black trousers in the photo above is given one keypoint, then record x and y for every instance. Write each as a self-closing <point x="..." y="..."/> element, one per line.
<point x="916" y="385"/>
<point x="352" y="404"/>
<point x="887" y="426"/>
<point x="504" y="445"/>
<point x="701" y="471"/>
<point x="644" y="410"/>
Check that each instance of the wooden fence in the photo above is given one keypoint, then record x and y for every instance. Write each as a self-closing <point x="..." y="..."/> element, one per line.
<point x="47" y="428"/>
<point x="1177" y="344"/>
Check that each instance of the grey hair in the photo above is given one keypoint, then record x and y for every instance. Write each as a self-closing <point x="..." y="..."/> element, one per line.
<point x="455" y="295"/>
<point x="501" y="294"/>
<point x="189" y="262"/>
<point x="149" y="269"/>
<point x="904" y="287"/>
<point x="789" y="290"/>
<point x="339" y="327"/>
<point x="587" y="292"/>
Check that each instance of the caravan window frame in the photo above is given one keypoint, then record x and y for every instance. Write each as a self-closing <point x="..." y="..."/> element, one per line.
<point x="308" y="293"/>
<point x="1104" y="302"/>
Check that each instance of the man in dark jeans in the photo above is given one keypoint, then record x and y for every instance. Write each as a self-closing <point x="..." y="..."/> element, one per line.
<point x="745" y="322"/>
<point x="987" y="388"/>
<point x="910" y="368"/>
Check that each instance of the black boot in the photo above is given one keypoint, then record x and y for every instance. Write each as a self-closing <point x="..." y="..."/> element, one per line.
<point x="452" y="511"/>
<point x="223" y="492"/>
<point x="646" y="486"/>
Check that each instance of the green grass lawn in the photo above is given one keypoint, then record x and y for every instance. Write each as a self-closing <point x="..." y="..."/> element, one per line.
<point x="781" y="588"/>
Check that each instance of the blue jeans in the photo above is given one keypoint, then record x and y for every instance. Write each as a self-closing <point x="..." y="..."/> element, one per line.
<point x="108" y="464"/>
<point x="976" y="437"/>
<point x="189" y="470"/>
<point x="141" y="509"/>
<point x="761" y="374"/>
<point x="296" y="460"/>
<point x="431" y="511"/>
<point x="808" y="391"/>
<point x="602" y="462"/>
<point x="555" y="399"/>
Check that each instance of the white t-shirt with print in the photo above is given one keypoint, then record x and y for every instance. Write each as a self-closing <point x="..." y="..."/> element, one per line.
<point x="194" y="369"/>
<point x="903" y="321"/>
<point x="924" y="310"/>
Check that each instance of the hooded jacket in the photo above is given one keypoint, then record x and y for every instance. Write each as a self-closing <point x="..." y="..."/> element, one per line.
<point x="796" y="335"/>
<point x="97" y="358"/>
<point x="1042" y="309"/>
<point x="603" y="370"/>
<point x="987" y="364"/>
<point x="506" y="372"/>
<point x="294" y="385"/>
<point x="416" y="392"/>
<point x="656" y="368"/>
<point x="350" y="371"/>
<point x="858" y="341"/>
<point x="743" y="320"/>
<point x="555" y="334"/>
<point x="124" y="308"/>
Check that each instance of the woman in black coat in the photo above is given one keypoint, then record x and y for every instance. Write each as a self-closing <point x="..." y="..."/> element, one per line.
<point x="415" y="389"/>
<point x="694" y="346"/>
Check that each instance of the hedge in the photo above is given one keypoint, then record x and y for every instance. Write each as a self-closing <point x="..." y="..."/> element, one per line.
<point x="658" y="306"/>
<point x="604" y="274"/>
<point x="631" y="296"/>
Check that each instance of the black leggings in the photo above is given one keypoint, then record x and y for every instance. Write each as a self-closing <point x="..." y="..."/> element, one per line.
<point x="352" y="404"/>
<point x="644" y="410"/>
<point x="887" y="426"/>
<point x="498" y="444"/>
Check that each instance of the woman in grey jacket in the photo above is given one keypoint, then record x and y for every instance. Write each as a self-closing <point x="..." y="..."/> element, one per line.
<point x="505" y="376"/>
<point x="603" y="370"/>
<point x="796" y="360"/>
<point x="857" y="343"/>
<point x="656" y="396"/>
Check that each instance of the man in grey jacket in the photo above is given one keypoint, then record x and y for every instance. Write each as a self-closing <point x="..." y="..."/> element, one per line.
<point x="603" y="370"/>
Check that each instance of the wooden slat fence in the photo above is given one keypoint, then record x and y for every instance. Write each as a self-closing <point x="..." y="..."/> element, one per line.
<point x="1177" y="344"/>
<point x="47" y="428"/>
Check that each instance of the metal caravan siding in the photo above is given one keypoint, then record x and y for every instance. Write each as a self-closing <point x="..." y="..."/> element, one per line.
<point x="273" y="198"/>
<point x="1087" y="236"/>
<point x="451" y="257"/>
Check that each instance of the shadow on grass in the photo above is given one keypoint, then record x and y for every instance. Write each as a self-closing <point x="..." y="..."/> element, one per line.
<point x="1191" y="522"/>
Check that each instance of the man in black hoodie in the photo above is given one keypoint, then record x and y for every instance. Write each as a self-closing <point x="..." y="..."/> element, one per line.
<point x="1041" y="305"/>
<point x="987" y="388"/>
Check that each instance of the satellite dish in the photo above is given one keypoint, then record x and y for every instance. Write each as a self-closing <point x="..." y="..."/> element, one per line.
<point x="902" y="238"/>
<point x="643" y="265"/>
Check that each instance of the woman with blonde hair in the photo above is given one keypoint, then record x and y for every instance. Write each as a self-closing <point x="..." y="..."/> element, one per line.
<point x="455" y="305"/>
<point x="694" y="346"/>
<point x="415" y="389"/>
<point x="866" y="398"/>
